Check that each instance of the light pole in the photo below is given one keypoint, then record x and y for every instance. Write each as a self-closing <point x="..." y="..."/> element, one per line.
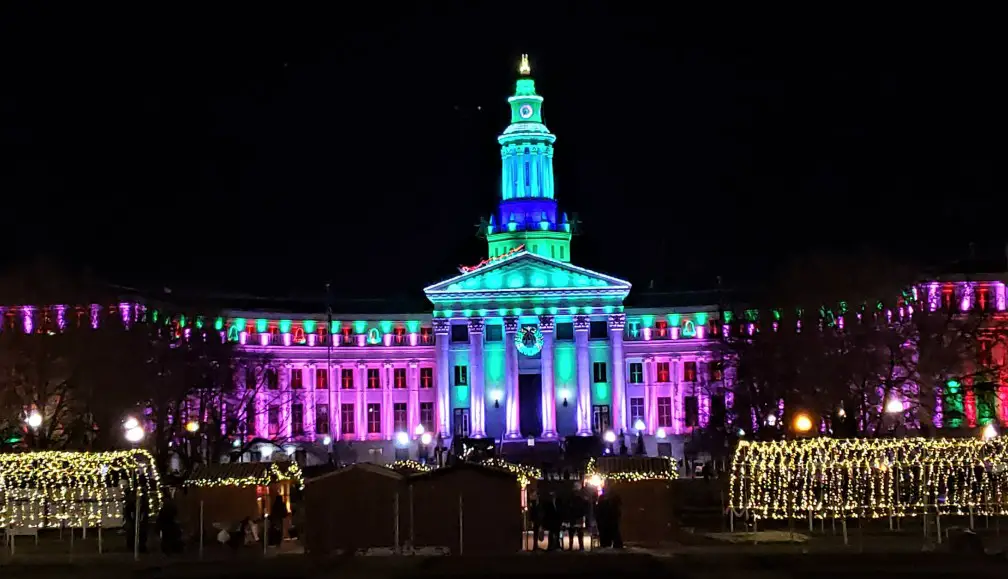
<point x="134" y="433"/>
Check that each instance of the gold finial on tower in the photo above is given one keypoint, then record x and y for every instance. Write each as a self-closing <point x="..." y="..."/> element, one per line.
<point x="524" y="69"/>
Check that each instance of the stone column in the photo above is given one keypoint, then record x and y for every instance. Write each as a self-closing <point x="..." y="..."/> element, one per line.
<point x="650" y="395"/>
<point x="360" y="406"/>
<point x="335" y="402"/>
<point x="287" y="398"/>
<point x="584" y="377"/>
<point x="387" y="418"/>
<point x="512" y="425"/>
<point x="548" y="378"/>
<point x="413" y="406"/>
<point x="442" y="329"/>
<point x="477" y="404"/>
<point x="310" y="396"/>
<point x="618" y="370"/>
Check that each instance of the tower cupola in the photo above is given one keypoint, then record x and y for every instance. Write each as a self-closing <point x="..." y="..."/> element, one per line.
<point x="527" y="214"/>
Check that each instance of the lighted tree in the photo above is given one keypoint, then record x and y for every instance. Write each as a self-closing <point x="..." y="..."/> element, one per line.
<point x="53" y="362"/>
<point x="852" y="341"/>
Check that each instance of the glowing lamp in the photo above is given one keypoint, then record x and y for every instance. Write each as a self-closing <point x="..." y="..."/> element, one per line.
<point x="34" y="420"/>
<point x="402" y="439"/>
<point x="639" y="425"/>
<point x="989" y="432"/>
<point x="131" y="423"/>
<point x="327" y="440"/>
<point x="192" y="427"/>
<point x="135" y="434"/>
<point x="595" y="480"/>
<point x="425" y="438"/>
<point x="802" y="423"/>
<point x="661" y="434"/>
<point x="609" y="436"/>
<point x="419" y="430"/>
<point x="771" y="420"/>
<point x="894" y="406"/>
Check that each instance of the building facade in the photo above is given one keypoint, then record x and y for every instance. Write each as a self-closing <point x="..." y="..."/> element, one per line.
<point x="524" y="347"/>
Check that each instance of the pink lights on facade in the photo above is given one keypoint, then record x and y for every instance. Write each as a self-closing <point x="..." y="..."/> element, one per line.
<point x="264" y="339"/>
<point x="61" y="317"/>
<point x="933" y="296"/>
<point x="286" y="339"/>
<point x="28" y="319"/>
<point x="95" y="315"/>
<point x="999" y="296"/>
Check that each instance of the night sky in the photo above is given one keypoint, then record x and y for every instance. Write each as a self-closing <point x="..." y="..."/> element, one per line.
<point x="267" y="152"/>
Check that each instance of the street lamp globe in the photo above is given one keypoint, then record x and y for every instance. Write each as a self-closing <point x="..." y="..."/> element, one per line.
<point x="610" y="436"/>
<point x="989" y="432"/>
<point x="419" y="430"/>
<point x="130" y="423"/>
<point x="135" y="434"/>
<point x="34" y="420"/>
<point x="425" y="438"/>
<point x="894" y="406"/>
<point x="802" y="423"/>
<point x="192" y="427"/>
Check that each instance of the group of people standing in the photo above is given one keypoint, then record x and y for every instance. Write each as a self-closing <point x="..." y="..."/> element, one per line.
<point x="556" y="514"/>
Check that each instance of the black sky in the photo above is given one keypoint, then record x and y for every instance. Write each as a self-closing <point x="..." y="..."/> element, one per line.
<point x="265" y="152"/>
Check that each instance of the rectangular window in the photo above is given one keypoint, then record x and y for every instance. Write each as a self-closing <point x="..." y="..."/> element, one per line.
<point x="460" y="422"/>
<point x="296" y="379"/>
<point x="600" y="418"/>
<point x="565" y="330"/>
<point x="273" y="417"/>
<point x="494" y="333"/>
<point x="716" y="370"/>
<point x="347" y="419"/>
<point x="636" y="411"/>
<point x="321" y="379"/>
<point x="691" y="409"/>
<point x="373" y="379"/>
<point x="664" y="411"/>
<point x="427" y="416"/>
<point x="689" y="371"/>
<point x="374" y="418"/>
<point x="426" y="378"/>
<point x="459" y="333"/>
<point x="663" y="372"/>
<point x="598" y="331"/>
<point x="272" y="379"/>
<point x="461" y="375"/>
<point x="636" y="373"/>
<point x="322" y="418"/>
<point x="251" y="379"/>
<point x="250" y="417"/>
<point x="399" y="378"/>
<point x="297" y="419"/>
<point x="599" y="372"/>
<point x="660" y="330"/>
<point x="399" y="418"/>
<point x="346" y="378"/>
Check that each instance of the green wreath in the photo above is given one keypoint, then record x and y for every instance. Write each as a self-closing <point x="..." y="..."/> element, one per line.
<point x="529" y="341"/>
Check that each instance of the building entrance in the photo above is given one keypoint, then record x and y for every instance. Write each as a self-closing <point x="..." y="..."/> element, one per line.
<point x="530" y="404"/>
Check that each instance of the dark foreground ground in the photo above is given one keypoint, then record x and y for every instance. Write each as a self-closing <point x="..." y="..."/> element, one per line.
<point x="744" y="562"/>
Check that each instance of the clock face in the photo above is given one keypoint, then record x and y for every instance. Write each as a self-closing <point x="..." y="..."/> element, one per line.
<point x="525" y="111"/>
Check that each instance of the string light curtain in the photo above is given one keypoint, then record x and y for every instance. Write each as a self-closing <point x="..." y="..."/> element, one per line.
<point x="77" y="489"/>
<point x="869" y="478"/>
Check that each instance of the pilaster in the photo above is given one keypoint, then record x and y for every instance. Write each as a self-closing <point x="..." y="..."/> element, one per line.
<point x="548" y="378"/>
<point x="512" y="424"/>
<point x="584" y="377"/>
<point x="477" y="404"/>
<point x="442" y="329"/>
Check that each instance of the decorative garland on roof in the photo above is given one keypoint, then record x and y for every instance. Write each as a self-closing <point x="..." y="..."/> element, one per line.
<point x="274" y="474"/>
<point x="489" y="260"/>
<point x="669" y="472"/>
<point x="410" y="465"/>
<point x="524" y="472"/>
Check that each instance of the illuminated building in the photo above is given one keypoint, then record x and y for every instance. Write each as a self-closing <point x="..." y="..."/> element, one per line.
<point x="524" y="344"/>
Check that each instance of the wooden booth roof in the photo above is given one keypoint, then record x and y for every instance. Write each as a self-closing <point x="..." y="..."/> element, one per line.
<point x="245" y="474"/>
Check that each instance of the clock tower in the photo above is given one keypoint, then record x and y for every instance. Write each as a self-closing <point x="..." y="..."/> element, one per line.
<point x="528" y="212"/>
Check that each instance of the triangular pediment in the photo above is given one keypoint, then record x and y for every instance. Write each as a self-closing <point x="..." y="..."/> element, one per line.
<point x="527" y="275"/>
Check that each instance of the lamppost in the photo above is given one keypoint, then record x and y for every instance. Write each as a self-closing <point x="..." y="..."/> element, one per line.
<point x="134" y="433"/>
<point x="34" y="421"/>
<point x="894" y="408"/>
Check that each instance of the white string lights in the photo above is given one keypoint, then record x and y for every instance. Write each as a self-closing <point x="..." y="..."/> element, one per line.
<point x="869" y="478"/>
